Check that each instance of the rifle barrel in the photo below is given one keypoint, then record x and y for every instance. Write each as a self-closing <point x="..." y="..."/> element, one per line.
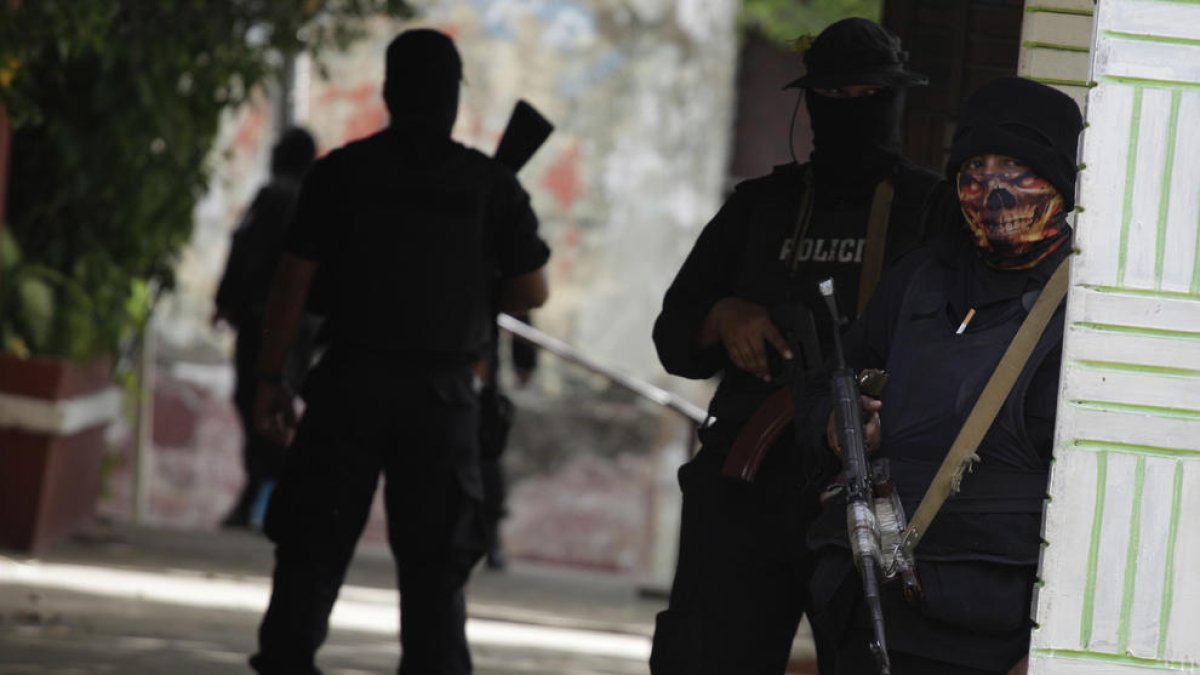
<point x="861" y="526"/>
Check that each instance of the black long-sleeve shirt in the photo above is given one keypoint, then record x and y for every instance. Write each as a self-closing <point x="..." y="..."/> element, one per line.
<point x="740" y="254"/>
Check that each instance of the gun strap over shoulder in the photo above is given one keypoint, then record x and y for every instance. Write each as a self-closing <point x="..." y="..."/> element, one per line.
<point x="962" y="452"/>
<point x="877" y="227"/>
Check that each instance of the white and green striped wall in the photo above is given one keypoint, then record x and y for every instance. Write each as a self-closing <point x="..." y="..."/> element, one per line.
<point x="1121" y="589"/>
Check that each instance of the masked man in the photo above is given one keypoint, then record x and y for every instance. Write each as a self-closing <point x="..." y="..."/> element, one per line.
<point x="410" y="231"/>
<point x="941" y="321"/>
<point x="741" y="583"/>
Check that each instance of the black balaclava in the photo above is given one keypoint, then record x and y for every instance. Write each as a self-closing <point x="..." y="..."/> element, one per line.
<point x="422" y="81"/>
<point x="293" y="153"/>
<point x="855" y="139"/>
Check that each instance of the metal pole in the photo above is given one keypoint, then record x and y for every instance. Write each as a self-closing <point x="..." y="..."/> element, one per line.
<point x="143" y="463"/>
<point x="5" y="148"/>
<point x="5" y="153"/>
<point x="565" y="351"/>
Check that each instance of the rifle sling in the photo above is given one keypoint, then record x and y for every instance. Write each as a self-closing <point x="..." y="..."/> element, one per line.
<point x="962" y="452"/>
<point x="877" y="227"/>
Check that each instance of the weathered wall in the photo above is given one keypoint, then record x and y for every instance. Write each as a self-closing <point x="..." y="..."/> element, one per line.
<point x="1120" y="595"/>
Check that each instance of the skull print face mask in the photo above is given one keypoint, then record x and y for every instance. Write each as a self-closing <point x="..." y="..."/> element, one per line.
<point x="1015" y="216"/>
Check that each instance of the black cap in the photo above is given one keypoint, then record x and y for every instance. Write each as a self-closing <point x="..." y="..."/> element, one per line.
<point x="856" y="51"/>
<point x="1027" y="120"/>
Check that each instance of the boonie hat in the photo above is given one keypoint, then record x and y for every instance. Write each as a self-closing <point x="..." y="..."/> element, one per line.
<point x="856" y="51"/>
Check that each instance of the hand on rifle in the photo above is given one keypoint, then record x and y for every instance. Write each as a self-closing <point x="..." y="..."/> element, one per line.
<point x="745" y="328"/>
<point x="871" y="428"/>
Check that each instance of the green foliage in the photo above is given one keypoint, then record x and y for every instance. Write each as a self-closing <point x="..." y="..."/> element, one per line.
<point x="784" y="20"/>
<point x="115" y="105"/>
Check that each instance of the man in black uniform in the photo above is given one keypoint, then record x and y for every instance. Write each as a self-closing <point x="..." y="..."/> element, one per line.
<point x="242" y="297"/>
<point x="410" y="231"/>
<point x="741" y="582"/>
<point x="941" y="321"/>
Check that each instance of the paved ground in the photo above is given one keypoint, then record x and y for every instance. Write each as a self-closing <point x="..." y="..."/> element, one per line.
<point x="135" y="601"/>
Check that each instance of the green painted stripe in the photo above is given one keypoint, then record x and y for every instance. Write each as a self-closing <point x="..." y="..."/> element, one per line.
<point x="1140" y="331"/>
<point x="1141" y="292"/>
<point x="1135" y="129"/>
<point x="1196" y="260"/>
<point x="1061" y="82"/>
<point x="1164" y="196"/>
<point x="1133" y="408"/>
<point x="1137" y="369"/>
<point x="1159" y="39"/>
<point x="1089" y="588"/>
<point x="1116" y="659"/>
<point x="1131" y="553"/>
<point x="1148" y="82"/>
<point x="1164" y="613"/>
<point x="1089" y="445"/>
<point x="1069" y="11"/>
<point x="1055" y="46"/>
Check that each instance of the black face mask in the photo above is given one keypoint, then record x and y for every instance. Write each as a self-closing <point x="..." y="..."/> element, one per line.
<point x="429" y="100"/>
<point x="855" y="139"/>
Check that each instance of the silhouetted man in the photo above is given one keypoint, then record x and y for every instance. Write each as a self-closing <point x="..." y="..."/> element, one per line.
<point x="242" y="298"/>
<point x="410" y="231"/>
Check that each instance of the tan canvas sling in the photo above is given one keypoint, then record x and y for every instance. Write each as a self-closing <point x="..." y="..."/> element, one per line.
<point x="962" y="452"/>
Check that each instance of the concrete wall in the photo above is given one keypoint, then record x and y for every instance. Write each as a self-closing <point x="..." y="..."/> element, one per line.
<point x="1120" y="595"/>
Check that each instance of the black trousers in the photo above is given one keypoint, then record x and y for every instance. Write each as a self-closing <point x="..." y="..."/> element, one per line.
<point x="741" y="580"/>
<point x="973" y="621"/>
<point x="419" y="431"/>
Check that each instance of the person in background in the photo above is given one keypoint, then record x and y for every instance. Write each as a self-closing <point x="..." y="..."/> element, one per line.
<point x="741" y="584"/>
<point x="241" y="300"/>
<point x="410" y="231"/>
<point x="939" y="324"/>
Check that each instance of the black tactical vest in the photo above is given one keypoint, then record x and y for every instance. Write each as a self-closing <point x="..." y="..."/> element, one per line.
<point x="417" y="267"/>
<point x="936" y="376"/>
<point x="836" y="230"/>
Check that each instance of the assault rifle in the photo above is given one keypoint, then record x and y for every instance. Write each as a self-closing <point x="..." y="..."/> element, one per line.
<point x="861" y="525"/>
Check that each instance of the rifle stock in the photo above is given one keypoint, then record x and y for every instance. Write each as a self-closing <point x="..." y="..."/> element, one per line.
<point x="526" y="131"/>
